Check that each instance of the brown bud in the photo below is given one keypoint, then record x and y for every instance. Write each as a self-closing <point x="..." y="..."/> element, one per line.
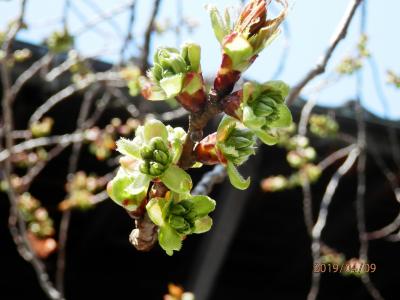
<point x="207" y="152"/>
<point x="231" y="104"/>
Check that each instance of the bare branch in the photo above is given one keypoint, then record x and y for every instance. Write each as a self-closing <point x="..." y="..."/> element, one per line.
<point x="70" y="90"/>
<point x="65" y="139"/>
<point x="335" y="156"/>
<point x="73" y="165"/>
<point x="105" y="16"/>
<point x="148" y="35"/>
<point x="128" y="37"/>
<point x="323" y="61"/>
<point x="209" y="179"/>
<point x="31" y="72"/>
<point x="307" y="205"/>
<point x="322" y="217"/>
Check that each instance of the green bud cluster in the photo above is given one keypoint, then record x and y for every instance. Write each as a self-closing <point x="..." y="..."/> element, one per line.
<point x="266" y="105"/>
<point x="37" y="218"/>
<point x="263" y="109"/>
<point x="323" y="126"/>
<point x="297" y="158"/>
<point x="182" y="217"/>
<point x="156" y="157"/>
<point x="60" y="41"/>
<point x="243" y="142"/>
<point x="169" y="71"/>
<point x="309" y="172"/>
<point x="167" y="62"/>
<point x="179" y="218"/>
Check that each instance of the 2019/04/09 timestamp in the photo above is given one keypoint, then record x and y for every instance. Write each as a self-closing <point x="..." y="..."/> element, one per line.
<point x="344" y="268"/>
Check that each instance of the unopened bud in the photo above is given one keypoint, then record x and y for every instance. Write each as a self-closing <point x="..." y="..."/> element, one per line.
<point x="156" y="169"/>
<point x="161" y="157"/>
<point x="178" y="209"/>
<point x="146" y="152"/>
<point x="157" y="143"/>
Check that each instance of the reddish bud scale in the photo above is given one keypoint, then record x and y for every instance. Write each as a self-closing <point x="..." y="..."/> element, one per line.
<point x="140" y="211"/>
<point x="42" y="247"/>
<point x="146" y="91"/>
<point x="192" y="102"/>
<point x="226" y="77"/>
<point x="207" y="153"/>
<point x="231" y="104"/>
<point x="253" y="16"/>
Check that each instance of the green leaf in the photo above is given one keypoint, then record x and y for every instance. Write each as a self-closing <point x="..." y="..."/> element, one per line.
<point x="239" y="50"/>
<point x="172" y="85"/>
<point x="169" y="239"/>
<point x="279" y="86"/>
<point x="235" y="178"/>
<point x="139" y="185"/>
<point x="128" y="147"/>
<point x="285" y="117"/>
<point x="119" y="191"/>
<point x="156" y="209"/>
<point x="151" y="91"/>
<point x="225" y="127"/>
<point x="154" y="128"/>
<point x="195" y="84"/>
<point x="191" y="52"/>
<point x="250" y="120"/>
<point x="177" y="180"/>
<point x="202" y="206"/>
<point x="218" y="25"/>
<point x="266" y="138"/>
<point x="176" y="138"/>
<point x="202" y="225"/>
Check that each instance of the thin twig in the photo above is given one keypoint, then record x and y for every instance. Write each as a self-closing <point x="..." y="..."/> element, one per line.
<point x="73" y="165"/>
<point x="322" y="217"/>
<point x="105" y="16"/>
<point x="335" y="156"/>
<point x="209" y="179"/>
<point x="128" y="37"/>
<point x="65" y="139"/>
<point x="148" y="35"/>
<point x="307" y="205"/>
<point x="70" y="90"/>
<point x="31" y="72"/>
<point x="39" y="166"/>
<point x="394" y="142"/>
<point x="323" y="61"/>
<point x="391" y="177"/>
<point x="99" y="11"/>
<point x="361" y="176"/>
<point x="7" y="99"/>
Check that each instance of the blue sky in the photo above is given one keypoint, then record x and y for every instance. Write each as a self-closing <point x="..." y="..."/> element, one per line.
<point x="311" y="23"/>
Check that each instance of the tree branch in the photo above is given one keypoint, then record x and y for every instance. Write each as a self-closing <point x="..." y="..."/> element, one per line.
<point x="147" y="37"/>
<point x="323" y="61"/>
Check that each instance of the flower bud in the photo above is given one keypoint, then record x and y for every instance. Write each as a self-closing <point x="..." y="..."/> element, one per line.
<point x="261" y="108"/>
<point x="177" y="75"/>
<point x="323" y="126"/>
<point x="242" y="42"/>
<point x="312" y="172"/>
<point x="157" y="143"/>
<point x="161" y="157"/>
<point x="274" y="183"/>
<point x="146" y="152"/>
<point x="156" y="169"/>
<point x="145" y="167"/>
<point x="59" y="42"/>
